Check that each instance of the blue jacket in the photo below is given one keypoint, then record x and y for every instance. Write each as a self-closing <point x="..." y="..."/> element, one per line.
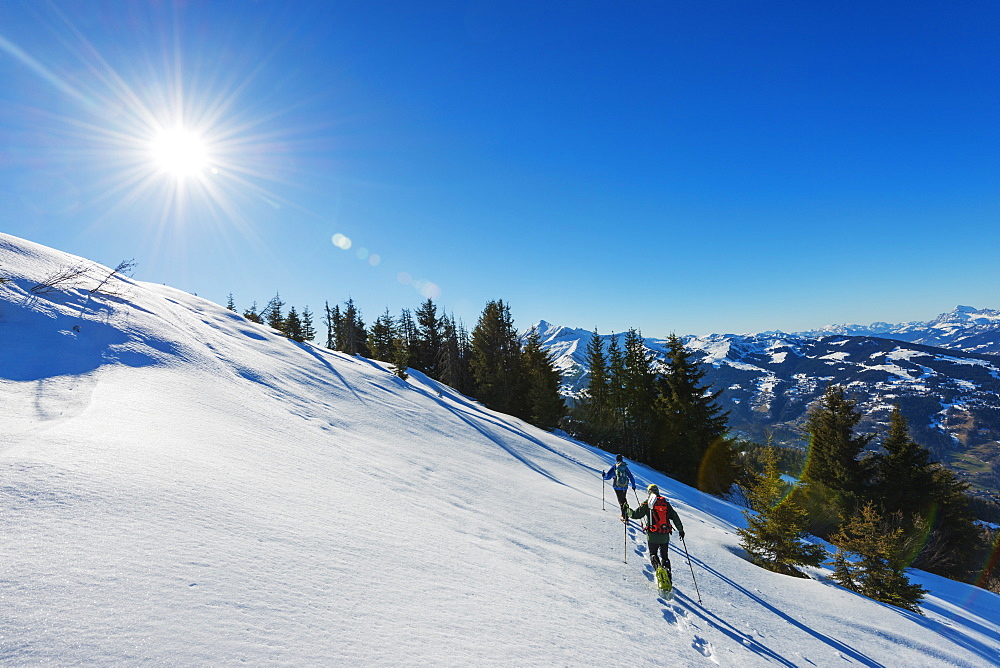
<point x="610" y="475"/>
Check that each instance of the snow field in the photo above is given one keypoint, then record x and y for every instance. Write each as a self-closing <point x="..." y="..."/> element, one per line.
<point x="179" y="486"/>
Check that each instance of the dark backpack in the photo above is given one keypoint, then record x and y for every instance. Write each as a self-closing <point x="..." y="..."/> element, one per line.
<point x="621" y="476"/>
<point x="659" y="516"/>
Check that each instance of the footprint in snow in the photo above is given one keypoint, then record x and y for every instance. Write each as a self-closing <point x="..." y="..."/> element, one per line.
<point x="705" y="648"/>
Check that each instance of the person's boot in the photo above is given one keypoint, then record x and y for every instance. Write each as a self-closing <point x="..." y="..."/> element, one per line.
<point x="655" y="560"/>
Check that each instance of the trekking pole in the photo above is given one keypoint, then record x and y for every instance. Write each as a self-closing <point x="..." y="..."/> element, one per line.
<point x="625" y="550"/>
<point x="603" y="486"/>
<point x="688" y="556"/>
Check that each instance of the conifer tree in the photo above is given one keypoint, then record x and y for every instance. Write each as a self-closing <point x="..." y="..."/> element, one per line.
<point x="953" y="537"/>
<point x="332" y="319"/>
<point x="775" y="533"/>
<point x="496" y="363"/>
<point x="638" y="392"/>
<point x="593" y="410"/>
<point x="252" y="315"/>
<point x="690" y="420"/>
<point x="400" y="357"/>
<point x="273" y="315"/>
<point x="308" y="328"/>
<point x="382" y="337"/>
<point x="903" y="474"/>
<point x="465" y="354"/>
<point x="292" y="326"/>
<point x="452" y="363"/>
<point x="834" y="447"/>
<point x="428" y="339"/>
<point x="407" y="332"/>
<point x="230" y="304"/>
<point x="616" y="395"/>
<point x="354" y="335"/>
<point x="869" y="561"/>
<point x="545" y="404"/>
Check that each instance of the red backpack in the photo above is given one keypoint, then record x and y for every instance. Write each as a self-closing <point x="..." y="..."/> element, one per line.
<point x="659" y="516"/>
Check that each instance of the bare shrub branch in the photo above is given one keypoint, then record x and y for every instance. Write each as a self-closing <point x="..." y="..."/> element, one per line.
<point x="124" y="268"/>
<point x="64" y="278"/>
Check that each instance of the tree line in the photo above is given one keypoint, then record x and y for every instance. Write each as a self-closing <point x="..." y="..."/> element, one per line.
<point x="885" y="510"/>
<point x="655" y="412"/>
<point x="492" y="363"/>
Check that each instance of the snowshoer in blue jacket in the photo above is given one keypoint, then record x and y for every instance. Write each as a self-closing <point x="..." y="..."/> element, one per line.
<point x="621" y="478"/>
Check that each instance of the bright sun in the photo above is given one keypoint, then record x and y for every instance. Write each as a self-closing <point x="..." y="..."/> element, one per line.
<point x="180" y="153"/>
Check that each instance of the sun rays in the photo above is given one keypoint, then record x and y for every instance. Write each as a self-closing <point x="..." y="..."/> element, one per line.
<point x="161" y="137"/>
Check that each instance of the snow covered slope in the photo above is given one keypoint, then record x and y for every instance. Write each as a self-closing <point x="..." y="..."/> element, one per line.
<point x="182" y="487"/>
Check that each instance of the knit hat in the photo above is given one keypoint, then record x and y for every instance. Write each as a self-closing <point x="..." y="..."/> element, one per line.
<point x="653" y="489"/>
<point x="618" y="458"/>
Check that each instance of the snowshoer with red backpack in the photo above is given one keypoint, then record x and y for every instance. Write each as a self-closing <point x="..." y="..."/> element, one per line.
<point x="659" y="518"/>
<point x="621" y="478"/>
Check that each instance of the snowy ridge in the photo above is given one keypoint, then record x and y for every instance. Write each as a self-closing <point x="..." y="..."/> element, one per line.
<point x="949" y="394"/>
<point x="183" y="487"/>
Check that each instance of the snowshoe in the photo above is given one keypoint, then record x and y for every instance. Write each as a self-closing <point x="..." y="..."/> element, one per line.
<point x="663" y="584"/>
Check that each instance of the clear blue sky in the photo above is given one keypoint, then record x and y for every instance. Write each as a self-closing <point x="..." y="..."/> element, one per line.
<point x="685" y="167"/>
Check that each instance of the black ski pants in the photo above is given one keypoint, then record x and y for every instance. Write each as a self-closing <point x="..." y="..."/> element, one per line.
<point x="622" y="499"/>
<point x="658" y="554"/>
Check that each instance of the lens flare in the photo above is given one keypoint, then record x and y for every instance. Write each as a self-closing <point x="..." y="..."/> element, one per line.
<point x="341" y="241"/>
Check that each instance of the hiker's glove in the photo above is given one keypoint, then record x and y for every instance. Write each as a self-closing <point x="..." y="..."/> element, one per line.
<point x="633" y="487"/>
<point x="682" y="535"/>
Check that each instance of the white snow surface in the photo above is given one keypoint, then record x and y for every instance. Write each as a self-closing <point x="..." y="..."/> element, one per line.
<point x="182" y="487"/>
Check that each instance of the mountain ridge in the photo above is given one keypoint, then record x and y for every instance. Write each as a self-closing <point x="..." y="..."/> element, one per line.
<point x="943" y="373"/>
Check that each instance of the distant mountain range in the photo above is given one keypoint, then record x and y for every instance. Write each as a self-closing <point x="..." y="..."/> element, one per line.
<point x="944" y="374"/>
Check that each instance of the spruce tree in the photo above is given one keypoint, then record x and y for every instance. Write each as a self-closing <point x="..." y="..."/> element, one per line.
<point x="353" y="333"/>
<point x="616" y="395"/>
<point x="252" y="315"/>
<point x="273" y="315"/>
<point x="545" y="403"/>
<point x="452" y="364"/>
<point x="903" y="473"/>
<point x="496" y="363"/>
<point x="593" y="410"/>
<point x="331" y="318"/>
<point x="870" y="560"/>
<point x="428" y="339"/>
<point x="308" y="328"/>
<point x="776" y="524"/>
<point x="400" y="357"/>
<point x="292" y="326"/>
<point x="381" y="338"/>
<point x="834" y="447"/>
<point x="466" y="382"/>
<point x="230" y="304"/>
<point x="689" y="419"/>
<point x="638" y="392"/>
<point x="951" y="544"/>
<point x="407" y="332"/>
